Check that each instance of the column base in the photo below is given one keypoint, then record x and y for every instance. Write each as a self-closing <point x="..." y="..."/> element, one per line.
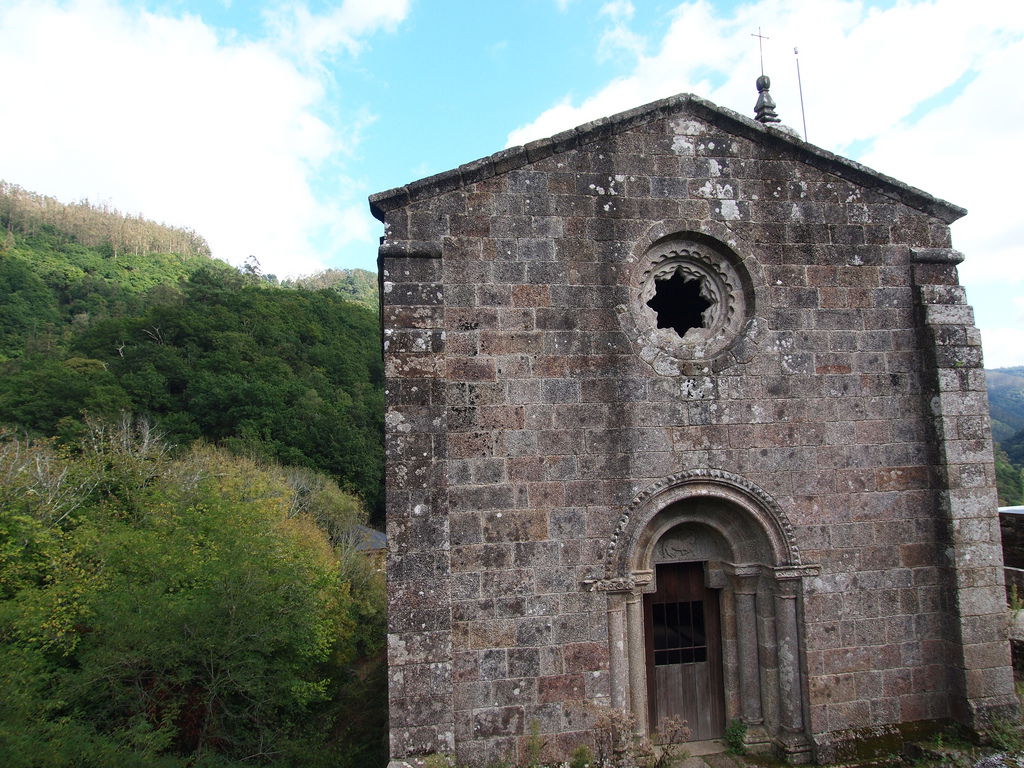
<point x="994" y="709"/>
<point x="794" y="748"/>
<point x="757" y="738"/>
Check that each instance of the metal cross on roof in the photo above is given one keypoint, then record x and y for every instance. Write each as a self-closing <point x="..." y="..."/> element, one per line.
<point x="760" y="45"/>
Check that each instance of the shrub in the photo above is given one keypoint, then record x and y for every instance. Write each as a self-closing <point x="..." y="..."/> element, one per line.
<point x="735" y="737"/>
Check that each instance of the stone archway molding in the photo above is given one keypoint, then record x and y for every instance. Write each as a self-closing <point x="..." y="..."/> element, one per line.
<point x="716" y="484"/>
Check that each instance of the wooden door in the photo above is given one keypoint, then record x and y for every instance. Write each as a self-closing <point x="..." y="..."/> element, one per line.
<point x="684" y="651"/>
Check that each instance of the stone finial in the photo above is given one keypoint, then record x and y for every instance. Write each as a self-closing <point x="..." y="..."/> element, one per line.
<point x="764" y="110"/>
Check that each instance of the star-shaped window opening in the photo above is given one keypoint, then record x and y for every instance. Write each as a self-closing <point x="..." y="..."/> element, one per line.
<point x="678" y="303"/>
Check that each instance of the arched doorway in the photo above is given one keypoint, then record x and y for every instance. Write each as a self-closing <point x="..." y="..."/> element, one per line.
<point x="718" y="556"/>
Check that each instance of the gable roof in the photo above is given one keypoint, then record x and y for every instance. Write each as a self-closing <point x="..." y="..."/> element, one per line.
<point x="685" y="103"/>
<point x="366" y="539"/>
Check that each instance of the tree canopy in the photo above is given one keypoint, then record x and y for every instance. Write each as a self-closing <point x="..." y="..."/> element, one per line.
<point x="269" y="371"/>
<point x="357" y="285"/>
<point x="177" y="610"/>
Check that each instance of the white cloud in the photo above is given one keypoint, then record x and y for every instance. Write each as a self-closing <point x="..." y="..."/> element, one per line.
<point x="968" y="152"/>
<point x="618" y="10"/>
<point x="157" y="115"/>
<point x="618" y="38"/>
<point x="856" y="84"/>
<point x="891" y="79"/>
<point x="1002" y="346"/>
<point x="312" y="35"/>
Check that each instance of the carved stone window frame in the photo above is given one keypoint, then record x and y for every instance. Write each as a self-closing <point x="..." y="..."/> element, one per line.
<point x="729" y="279"/>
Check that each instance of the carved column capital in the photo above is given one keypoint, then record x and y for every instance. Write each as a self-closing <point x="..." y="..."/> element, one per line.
<point x="632" y="583"/>
<point x="788" y="579"/>
<point x="745" y="577"/>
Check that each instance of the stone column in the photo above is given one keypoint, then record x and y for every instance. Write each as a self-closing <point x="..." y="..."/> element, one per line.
<point x="788" y="643"/>
<point x="792" y="735"/>
<point x="638" y="660"/>
<point x="618" y="658"/>
<point x="745" y="595"/>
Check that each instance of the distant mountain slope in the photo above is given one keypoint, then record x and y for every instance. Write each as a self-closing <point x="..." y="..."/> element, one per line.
<point x="1006" y="401"/>
<point x="1006" y="404"/>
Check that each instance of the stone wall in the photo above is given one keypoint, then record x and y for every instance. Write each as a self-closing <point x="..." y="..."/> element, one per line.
<point x="527" y="409"/>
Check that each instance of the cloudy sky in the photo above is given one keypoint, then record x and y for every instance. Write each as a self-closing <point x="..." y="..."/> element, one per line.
<point x="264" y="124"/>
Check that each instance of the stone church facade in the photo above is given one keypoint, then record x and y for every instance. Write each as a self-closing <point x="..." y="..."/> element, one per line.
<point x="685" y="417"/>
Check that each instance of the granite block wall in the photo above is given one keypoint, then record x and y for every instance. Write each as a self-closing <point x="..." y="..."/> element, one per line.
<point x="526" y="410"/>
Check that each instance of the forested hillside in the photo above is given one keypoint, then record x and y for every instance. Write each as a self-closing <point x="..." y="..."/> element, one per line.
<point x="64" y="266"/>
<point x="92" y="226"/>
<point x="354" y="284"/>
<point x="184" y="449"/>
<point x="1006" y="401"/>
<point x="274" y="371"/>
<point x="1006" y="404"/>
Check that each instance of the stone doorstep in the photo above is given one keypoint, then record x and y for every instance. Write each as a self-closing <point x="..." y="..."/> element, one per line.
<point x="702" y="748"/>
<point x="691" y="762"/>
<point x="717" y="760"/>
<point x="709" y="754"/>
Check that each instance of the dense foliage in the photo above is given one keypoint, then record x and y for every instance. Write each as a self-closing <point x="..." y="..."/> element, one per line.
<point x="1009" y="480"/>
<point x="198" y="605"/>
<point x="354" y="284"/>
<point x="160" y="610"/>
<point x="286" y="373"/>
<point x="54" y="286"/>
<point x="196" y="610"/>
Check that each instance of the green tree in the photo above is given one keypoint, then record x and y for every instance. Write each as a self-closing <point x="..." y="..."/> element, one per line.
<point x="1009" y="480"/>
<point x="357" y="285"/>
<point x="156" y="609"/>
<point x="46" y="394"/>
<point x="285" y="374"/>
<point x="28" y="306"/>
<point x="290" y="375"/>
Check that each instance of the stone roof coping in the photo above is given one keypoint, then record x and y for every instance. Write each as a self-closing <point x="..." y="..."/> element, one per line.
<point x="516" y="157"/>
<point x="936" y="255"/>
<point x="405" y="248"/>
